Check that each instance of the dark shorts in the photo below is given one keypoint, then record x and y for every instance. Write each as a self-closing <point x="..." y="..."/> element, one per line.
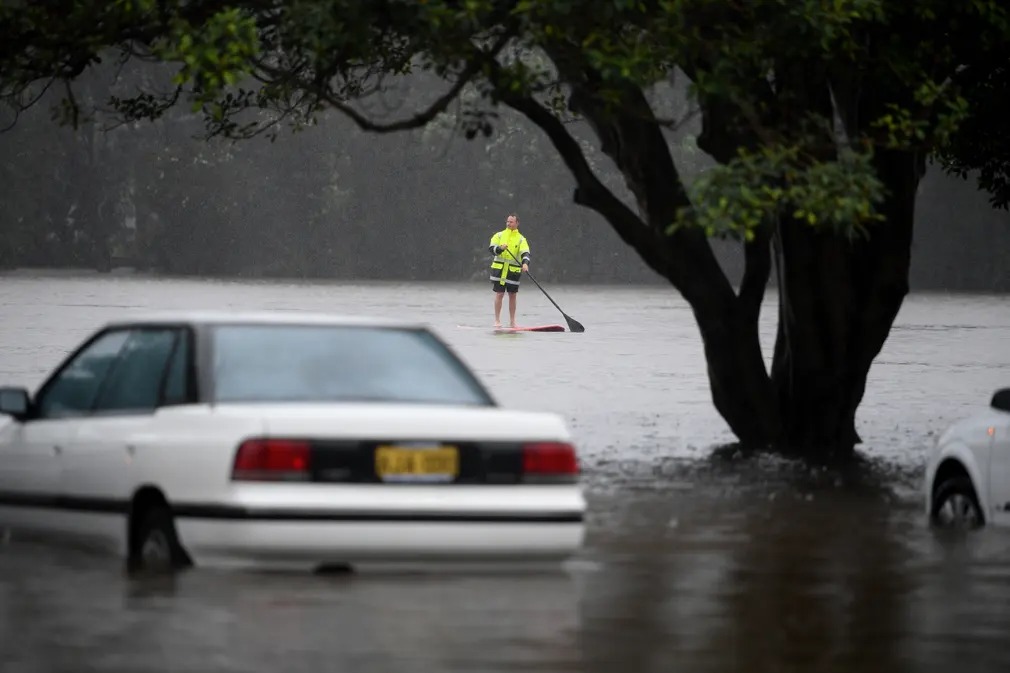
<point x="498" y="287"/>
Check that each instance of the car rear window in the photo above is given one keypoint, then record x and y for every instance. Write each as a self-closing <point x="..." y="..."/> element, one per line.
<point x="311" y="363"/>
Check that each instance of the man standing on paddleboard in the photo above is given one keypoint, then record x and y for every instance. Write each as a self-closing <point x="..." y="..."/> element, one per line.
<point x="510" y="249"/>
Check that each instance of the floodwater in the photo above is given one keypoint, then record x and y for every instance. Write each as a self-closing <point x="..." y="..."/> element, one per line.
<point x="696" y="559"/>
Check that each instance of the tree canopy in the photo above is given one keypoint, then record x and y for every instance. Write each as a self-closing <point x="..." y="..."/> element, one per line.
<point x="753" y="67"/>
<point x="818" y="114"/>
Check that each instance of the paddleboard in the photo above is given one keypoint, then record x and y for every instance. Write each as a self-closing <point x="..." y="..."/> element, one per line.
<point x="533" y="328"/>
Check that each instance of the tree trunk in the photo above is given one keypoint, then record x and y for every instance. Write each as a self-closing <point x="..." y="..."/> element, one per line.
<point x="742" y="391"/>
<point x="837" y="302"/>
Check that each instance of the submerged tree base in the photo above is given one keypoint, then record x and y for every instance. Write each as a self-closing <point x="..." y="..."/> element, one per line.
<point x="810" y="454"/>
<point x="853" y="468"/>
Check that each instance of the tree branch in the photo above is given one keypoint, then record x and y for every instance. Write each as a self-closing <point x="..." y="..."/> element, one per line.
<point x="680" y="258"/>
<point x="590" y="191"/>
<point x="634" y="140"/>
<point x="418" y="120"/>
<point x="17" y="115"/>
<point x="726" y="124"/>
<point x="635" y="143"/>
<point x="757" y="270"/>
<point x="11" y="99"/>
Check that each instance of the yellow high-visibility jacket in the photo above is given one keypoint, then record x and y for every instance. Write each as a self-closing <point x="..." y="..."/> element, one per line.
<point x="505" y="268"/>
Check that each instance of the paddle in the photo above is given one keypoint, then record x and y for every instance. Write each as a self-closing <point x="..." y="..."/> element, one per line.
<point x="573" y="324"/>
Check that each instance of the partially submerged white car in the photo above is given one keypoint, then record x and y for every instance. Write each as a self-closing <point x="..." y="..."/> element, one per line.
<point x="284" y="440"/>
<point x="968" y="471"/>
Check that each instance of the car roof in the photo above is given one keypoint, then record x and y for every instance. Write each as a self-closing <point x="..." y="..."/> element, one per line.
<point x="276" y="317"/>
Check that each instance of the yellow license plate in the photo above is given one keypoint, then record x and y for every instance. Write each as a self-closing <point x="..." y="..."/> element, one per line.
<point x="416" y="463"/>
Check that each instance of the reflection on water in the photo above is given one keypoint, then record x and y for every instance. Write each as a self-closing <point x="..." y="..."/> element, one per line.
<point x="756" y="570"/>
<point x="79" y="614"/>
<point x="695" y="561"/>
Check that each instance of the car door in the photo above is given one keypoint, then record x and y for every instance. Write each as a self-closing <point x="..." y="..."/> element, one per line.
<point x="31" y="450"/>
<point x="97" y="475"/>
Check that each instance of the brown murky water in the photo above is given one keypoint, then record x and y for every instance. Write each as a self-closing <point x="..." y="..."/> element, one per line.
<point x="696" y="560"/>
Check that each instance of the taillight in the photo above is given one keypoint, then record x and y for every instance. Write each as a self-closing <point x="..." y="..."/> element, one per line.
<point x="550" y="461"/>
<point x="272" y="460"/>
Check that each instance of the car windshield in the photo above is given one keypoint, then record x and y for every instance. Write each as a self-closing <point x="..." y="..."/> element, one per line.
<point x="309" y="363"/>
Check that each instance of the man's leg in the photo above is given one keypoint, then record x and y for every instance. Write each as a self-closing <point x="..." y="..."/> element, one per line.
<point x="497" y="306"/>
<point x="512" y="308"/>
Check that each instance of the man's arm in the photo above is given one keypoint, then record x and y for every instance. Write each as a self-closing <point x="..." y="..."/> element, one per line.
<point x="494" y="248"/>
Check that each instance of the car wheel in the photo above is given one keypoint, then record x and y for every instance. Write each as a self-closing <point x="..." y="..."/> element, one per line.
<point x="158" y="549"/>
<point x="955" y="505"/>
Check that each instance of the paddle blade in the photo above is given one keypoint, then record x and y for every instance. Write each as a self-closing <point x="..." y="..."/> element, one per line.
<point x="574" y="325"/>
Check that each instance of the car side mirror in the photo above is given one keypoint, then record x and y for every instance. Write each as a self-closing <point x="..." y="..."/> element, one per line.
<point x="1001" y="399"/>
<point x="15" y="402"/>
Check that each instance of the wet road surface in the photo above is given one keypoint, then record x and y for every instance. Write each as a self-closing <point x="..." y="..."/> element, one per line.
<point x="696" y="559"/>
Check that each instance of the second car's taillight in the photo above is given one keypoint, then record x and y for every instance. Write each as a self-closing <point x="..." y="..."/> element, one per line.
<point x="272" y="460"/>
<point x="549" y="462"/>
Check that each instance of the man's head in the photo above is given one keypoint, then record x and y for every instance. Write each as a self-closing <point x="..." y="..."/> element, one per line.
<point x="512" y="221"/>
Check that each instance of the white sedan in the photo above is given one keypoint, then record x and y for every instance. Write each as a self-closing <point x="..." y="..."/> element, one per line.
<point x="287" y="440"/>
<point x="968" y="471"/>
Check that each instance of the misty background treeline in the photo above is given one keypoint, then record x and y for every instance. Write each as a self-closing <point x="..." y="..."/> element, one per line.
<point x="332" y="201"/>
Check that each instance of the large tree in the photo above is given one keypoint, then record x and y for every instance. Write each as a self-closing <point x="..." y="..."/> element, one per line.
<point x="819" y="114"/>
